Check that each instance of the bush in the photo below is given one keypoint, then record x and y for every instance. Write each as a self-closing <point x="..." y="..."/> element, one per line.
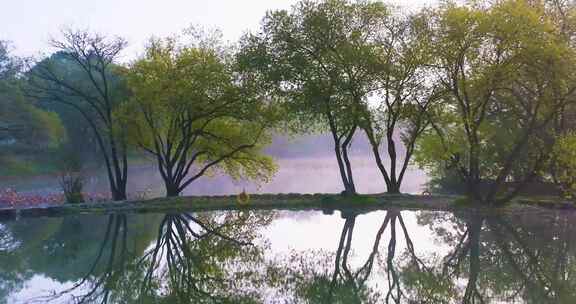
<point x="71" y="179"/>
<point x="72" y="184"/>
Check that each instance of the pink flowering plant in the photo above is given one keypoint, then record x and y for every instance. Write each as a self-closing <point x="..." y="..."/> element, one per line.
<point x="12" y="198"/>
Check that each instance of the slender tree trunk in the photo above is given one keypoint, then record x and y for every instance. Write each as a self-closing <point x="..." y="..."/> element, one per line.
<point x="119" y="181"/>
<point x="394" y="187"/>
<point x="340" y="149"/>
<point x="345" y="147"/>
<point x="117" y="175"/>
<point x="341" y="166"/>
<point x="392" y="182"/>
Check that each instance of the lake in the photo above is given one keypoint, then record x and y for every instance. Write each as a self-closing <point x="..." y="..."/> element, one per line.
<point x="386" y="256"/>
<point x="305" y="165"/>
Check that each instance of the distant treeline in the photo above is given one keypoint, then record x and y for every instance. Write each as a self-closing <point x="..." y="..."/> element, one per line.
<point x="481" y="95"/>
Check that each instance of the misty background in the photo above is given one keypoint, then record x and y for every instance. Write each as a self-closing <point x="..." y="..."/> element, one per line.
<point x="305" y="165"/>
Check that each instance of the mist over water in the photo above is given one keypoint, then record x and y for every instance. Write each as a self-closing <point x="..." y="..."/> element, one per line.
<point x="305" y="165"/>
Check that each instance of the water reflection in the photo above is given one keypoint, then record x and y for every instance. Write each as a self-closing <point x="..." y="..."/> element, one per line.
<point x="204" y="258"/>
<point x="235" y="257"/>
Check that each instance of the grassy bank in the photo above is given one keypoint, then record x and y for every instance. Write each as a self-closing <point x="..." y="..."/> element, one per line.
<point x="325" y="202"/>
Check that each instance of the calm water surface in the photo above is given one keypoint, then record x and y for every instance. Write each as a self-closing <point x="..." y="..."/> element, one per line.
<point x="290" y="257"/>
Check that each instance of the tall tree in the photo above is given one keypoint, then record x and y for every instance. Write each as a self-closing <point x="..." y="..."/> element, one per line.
<point x="380" y="58"/>
<point x="403" y="97"/>
<point x="95" y="94"/>
<point x="291" y="58"/>
<point x="350" y="65"/>
<point x="194" y="116"/>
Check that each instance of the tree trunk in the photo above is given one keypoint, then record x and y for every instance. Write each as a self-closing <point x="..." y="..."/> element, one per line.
<point x="471" y="291"/>
<point x="119" y="194"/>
<point x="351" y="187"/>
<point x="394" y="188"/>
<point x="117" y="186"/>
<point x="172" y="190"/>
<point x="392" y="183"/>
<point x="344" y="164"/>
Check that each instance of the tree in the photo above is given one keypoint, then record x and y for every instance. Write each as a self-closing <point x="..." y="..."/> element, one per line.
<point x="25" y="124"/>
<point x="193" y="116"/>
<point x="381" y="58"/>
<point x="291" y="59"/>
<point x="508" y="72"/>
<point x="10" y="66"/>
<point x="95" y="94"/>
<point x="350" y="66"/>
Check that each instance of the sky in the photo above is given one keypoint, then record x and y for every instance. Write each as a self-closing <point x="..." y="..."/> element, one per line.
<point x="29" y="24"/>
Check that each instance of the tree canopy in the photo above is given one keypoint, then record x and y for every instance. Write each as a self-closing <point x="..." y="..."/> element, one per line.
<point x="190" y="112"/>
<point x="508" y="72"/>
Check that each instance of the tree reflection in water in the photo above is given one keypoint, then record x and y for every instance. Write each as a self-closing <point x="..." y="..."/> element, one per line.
<point x="512" y="258"/>
<point x="357" y="280"/>
<point x="195" y="259"/>
<point x="206" y="258"/>
<point x="222" y="257"/>
<point x="106" y="268"/>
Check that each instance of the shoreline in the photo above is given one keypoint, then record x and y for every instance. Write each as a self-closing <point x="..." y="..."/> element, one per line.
<point x="327" y="203"/>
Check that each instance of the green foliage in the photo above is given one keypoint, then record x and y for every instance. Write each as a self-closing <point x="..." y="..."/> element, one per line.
<point x="478" y="91"/>
<point x="301" y="55"/>
<point x="508" y="71"/>
<point x="24" y="128"/>
<point x="188" y="109"/>
<point x="564" y="162"/>
<point x="25" y="123"/>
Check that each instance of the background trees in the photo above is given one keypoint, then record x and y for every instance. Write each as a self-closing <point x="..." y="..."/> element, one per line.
<point x="564" y="158"/>
<point x="23" y="126"/>
<point x="193" y="116"/>
<point x="81" y="142"/>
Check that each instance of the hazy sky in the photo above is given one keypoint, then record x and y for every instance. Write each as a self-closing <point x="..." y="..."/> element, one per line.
<point x="30" y="23"/>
